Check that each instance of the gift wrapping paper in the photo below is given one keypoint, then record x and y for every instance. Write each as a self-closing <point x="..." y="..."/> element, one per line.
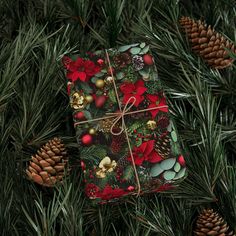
<point x="127" y="141"/>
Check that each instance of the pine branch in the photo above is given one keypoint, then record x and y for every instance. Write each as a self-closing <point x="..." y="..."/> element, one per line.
<point x="227" y="185"/>
<point x="8" y="216"/>
<point x="45" y="220"/>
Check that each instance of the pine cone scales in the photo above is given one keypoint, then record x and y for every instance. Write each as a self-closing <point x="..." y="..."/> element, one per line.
<point x="47" y="166"/>
<point x="210" y="223"/>
<point x="123" y="162"/>
<point x="162" y="146"/>
<point x="207" y="43"/>
<point x="117" y="143"/>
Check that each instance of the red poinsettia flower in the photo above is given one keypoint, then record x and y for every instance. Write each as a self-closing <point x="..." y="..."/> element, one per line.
<point x="82" y="69"/>
<point x="155" y="101"/>
<point x="133" y="90"/>
<point x="109" y="193"/>
<point x="92" y="190"/>
<point x="145" y="152"/>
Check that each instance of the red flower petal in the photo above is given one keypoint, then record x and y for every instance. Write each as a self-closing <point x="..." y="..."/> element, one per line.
<point x="138" y="160"/>
<point x="82" y="76"/>
<point x="126" y="98"/>
<point x="79" y="62"/>
<point x="90" y="68"/>
<point x="139" y="99"/>
<point x="163" y="103"/>
<point x="142" y="147"/>
<point x="152" y="98"/>
<point x="154" y="157"/>
<point x="73" y="76"/>
<point x="107" y="189"/>
<point x="127" y="88"/>
<point x="149" y="147"/>
<point x="154" y="111"/>
<point x="141" y="90"/>
<point x="72" y="67"/>
<point x="139" y="83"/>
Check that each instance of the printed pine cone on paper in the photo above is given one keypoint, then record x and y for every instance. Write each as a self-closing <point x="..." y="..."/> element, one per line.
<point x="47" y="167"/>
<point x="209" y="44"/>
<point x="117" y="142"/>
<point x="210" y="223"/>
<point x="162" y="146"/>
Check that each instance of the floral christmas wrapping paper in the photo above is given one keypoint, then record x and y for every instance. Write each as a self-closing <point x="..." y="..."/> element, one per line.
<point x="128" y="144"/>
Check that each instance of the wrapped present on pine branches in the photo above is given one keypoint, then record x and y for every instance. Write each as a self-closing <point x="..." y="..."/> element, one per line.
<point x="127" y="142"/>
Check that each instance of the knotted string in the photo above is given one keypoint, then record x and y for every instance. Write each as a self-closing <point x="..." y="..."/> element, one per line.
<point x="120" y="116"/>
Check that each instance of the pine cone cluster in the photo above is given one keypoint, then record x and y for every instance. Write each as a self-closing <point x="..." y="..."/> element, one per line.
<point x="209" y="44"/>
<point x="210" y="223"/>
<point x="47" y="167"/>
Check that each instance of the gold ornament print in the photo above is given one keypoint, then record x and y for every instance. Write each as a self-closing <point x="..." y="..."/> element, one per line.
<point x="92" y="131"/>
<point x="105" y="166"/>
<point x="89" y="98"/>
<point x="151" y="124"/>
<point x="100" y="83"/>
<point x="78" y="101"/>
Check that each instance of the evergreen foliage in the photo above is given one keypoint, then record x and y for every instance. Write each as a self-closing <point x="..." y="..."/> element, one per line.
<point x="34" y="107"/>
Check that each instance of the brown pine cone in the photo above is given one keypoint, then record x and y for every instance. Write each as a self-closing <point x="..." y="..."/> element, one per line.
<point x="209" y="44"/>
<point x="47" y="167"/>
<point x="162" y="146"/>
<point x="106" y="124"/>
<point x="163" y="122"/>
<point x="210" y="223"/>
<point x="121" y="60"/>
<point x="117" y="142"/>
<point x="123" y="162"/>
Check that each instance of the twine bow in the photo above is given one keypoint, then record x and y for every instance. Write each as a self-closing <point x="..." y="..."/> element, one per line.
<point x="121" y="116"/>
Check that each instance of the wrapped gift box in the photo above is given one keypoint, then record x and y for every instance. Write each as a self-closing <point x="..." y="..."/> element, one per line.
<point x="128" y="144"/>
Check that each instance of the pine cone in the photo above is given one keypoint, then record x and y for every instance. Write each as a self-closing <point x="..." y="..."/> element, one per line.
<point x="138" y="62"/>
<point x="123" y="162"/>
<point x="163" y="122"/>
<point x="48" y="165"/>
<point x="209" y="44"/>
<point x="105" y="125"/>
<point x="162" y="146"/>
<point x="117" y="142"/>
<point x="210" y="223"/>
<point x="121" y="60"/>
